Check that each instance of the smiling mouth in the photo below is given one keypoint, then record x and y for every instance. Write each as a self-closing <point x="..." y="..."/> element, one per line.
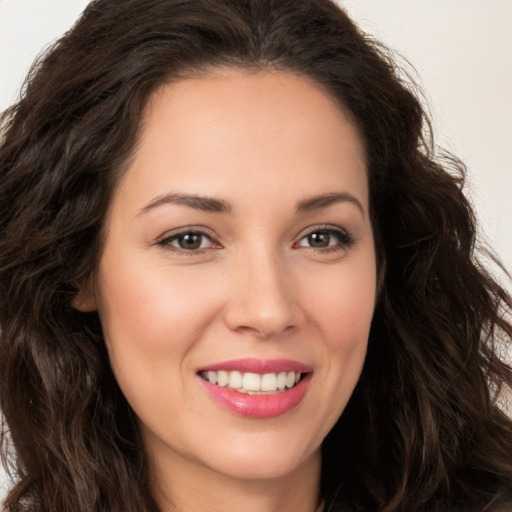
<point x="253" y="383"/>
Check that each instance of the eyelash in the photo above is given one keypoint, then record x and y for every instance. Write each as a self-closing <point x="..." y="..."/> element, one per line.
<point x="166" y="242"/>
<point x="345" y="240"/>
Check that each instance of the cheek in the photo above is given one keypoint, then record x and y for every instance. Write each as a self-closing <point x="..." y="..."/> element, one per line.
<point x="151" y="322"/>
<point x="342" y="312"/>
<point x="340" y="307"/>
<point x="343" y="307"/>
<point x="148" y="306"/>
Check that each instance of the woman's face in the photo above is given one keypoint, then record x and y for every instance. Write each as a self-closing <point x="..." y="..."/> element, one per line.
<point x="239" y="259"/>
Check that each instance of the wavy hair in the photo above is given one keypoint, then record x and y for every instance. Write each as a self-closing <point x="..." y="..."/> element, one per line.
<point x="423" y="430"/>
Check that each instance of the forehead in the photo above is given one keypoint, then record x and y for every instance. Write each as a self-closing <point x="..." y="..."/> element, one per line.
<point x="219" y="133"/>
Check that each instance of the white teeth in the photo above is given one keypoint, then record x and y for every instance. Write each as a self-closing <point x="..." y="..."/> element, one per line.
<point x="269" y="382"/>
<point x="222" y="378"/>
<point x="235" y="380"/>
<point x="281" y="380"/>
<point x="253" y="382"/>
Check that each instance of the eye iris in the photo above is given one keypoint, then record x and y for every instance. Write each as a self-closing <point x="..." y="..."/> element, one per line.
<point x="319" y="239"/>
<point x="190" y="241"/>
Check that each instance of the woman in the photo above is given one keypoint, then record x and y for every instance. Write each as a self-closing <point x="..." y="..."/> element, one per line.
<point x="234" y="277"/>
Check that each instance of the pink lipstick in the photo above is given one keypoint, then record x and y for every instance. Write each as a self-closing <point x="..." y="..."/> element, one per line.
<point x="256" y="388"/>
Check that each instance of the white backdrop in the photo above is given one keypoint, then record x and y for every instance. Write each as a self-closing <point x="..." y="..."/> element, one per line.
<point x="460" y="49"/>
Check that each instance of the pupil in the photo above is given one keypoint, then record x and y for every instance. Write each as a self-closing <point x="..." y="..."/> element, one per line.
<point x="190" y="241"/>
<point x="318" y="239"/>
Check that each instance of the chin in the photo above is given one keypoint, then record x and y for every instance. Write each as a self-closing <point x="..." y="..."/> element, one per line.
<point x="263" y="461"/>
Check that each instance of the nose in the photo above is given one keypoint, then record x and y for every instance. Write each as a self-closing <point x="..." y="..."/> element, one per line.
<point x="262" y="299"/>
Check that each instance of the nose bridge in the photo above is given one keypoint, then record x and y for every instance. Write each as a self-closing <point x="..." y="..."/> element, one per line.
<point x="262" y="299"/>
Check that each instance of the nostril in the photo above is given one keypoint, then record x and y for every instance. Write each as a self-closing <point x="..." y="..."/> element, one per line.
<point x="265" y="331"/>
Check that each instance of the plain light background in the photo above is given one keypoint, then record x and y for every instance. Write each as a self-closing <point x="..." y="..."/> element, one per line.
<point x="460" y="49"/>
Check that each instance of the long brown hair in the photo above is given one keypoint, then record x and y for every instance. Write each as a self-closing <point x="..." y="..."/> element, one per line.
<point x="423" y="430"/>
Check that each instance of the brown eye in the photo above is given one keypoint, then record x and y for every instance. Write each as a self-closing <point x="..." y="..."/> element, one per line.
<point x="327" y="238"/>
<point x="189" y="241"/>
<point x="319" y="239"/>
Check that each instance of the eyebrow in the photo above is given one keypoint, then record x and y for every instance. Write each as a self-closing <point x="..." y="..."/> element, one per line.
<point x="325" y="200"/>
<point x="205" y="204"/>
<point x="213" y="205"/>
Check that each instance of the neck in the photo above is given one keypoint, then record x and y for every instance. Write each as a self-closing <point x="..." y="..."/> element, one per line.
<point x="191" y="488"/>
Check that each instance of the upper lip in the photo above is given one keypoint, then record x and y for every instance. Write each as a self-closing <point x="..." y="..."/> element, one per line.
<point x="255" y="365"/>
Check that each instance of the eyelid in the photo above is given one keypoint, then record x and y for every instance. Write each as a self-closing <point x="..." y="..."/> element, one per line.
<point x="345" y="237"/>
<point x="165" y="239"/>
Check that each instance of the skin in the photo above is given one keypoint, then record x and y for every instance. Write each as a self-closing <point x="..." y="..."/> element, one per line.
<point x="262" y="143"/>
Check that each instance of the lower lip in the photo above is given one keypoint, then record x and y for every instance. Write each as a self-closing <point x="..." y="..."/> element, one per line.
<point x="258" y="406"/>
